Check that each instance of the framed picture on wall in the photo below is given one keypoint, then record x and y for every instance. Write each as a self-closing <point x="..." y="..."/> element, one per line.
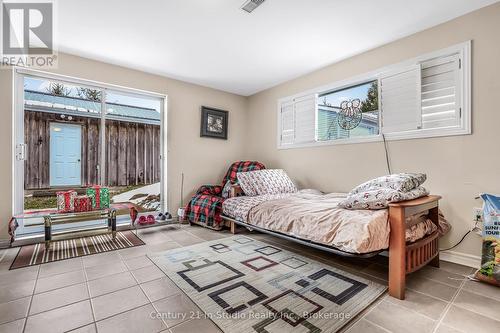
<point x="214" y="123"/>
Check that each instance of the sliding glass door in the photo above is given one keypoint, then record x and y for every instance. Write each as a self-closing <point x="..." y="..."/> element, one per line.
<point x="74" y="134"/>
<point x="133" y="151"/>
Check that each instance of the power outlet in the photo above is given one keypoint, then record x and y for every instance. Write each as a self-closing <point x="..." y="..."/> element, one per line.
<point x="477" y="220"/>
<point x="477" y="214"/>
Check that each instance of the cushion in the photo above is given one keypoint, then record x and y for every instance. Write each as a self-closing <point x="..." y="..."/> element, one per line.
<point x="400" y="182"/>
<point x="267" y="181"/>
<point x="246" y="184"/>
<point x="380" y="198"/>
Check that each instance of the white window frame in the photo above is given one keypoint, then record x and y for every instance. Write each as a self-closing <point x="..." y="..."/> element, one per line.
<point x="18" y="144"/>
<point x="465" y="128"/>
<point x="361" y="79"/>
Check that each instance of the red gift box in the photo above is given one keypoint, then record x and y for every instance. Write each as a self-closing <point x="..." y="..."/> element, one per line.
<point x="65" y="201"/>
<point x="83" y="203"/>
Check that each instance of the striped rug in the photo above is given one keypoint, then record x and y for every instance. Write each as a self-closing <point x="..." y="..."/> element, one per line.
<point x="64" y="249"/>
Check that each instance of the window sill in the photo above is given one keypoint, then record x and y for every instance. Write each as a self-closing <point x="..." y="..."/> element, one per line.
<point x="363" y="139"/>
<point x="417" y="134"/>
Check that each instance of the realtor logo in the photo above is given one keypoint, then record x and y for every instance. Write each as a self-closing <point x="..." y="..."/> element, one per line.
<point x="28" y="33"/>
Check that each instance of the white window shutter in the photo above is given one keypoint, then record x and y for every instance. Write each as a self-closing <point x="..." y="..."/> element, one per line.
<point x="287" y="120"/>
<point x="305" y="118"/>
<point x="400" y="100"/>
<point x="441" y="92"/>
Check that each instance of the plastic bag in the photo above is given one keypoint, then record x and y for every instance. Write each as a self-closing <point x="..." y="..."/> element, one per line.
<point x="490" y="260"/>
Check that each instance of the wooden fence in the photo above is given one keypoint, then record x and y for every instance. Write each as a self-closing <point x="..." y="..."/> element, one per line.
<point x="132" y="151"/>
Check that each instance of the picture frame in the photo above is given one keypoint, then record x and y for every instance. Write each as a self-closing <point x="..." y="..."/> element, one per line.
<point x="214" y="123"/>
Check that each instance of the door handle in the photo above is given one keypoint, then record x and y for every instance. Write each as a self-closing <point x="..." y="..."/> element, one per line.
<point x="78" y="160"/>
<point x="21" y="152"/>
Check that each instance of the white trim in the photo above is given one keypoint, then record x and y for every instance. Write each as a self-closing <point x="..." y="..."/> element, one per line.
<point x="461" y="258"/>
<point x="464" y="51"/>
<point x="355" y="140"/>
<point x="279" y="131"/>
<point x="164" y="154"/>
<point x="17" y="139"/>
<point x="102" y="134"/>
<point x="454" y="257"/>
<point x="4" y="243"/>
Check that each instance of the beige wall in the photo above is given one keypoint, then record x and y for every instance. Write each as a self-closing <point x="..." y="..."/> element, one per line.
<point x="203" y="160"/>
<point x="458" y="167"/>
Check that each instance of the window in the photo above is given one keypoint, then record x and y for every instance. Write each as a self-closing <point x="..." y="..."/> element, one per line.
<point x="330" y="126"/>
<point x="71" y="133"/>
<point x="427" y="96"/>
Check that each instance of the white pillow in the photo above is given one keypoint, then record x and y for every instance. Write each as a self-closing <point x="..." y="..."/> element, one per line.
<point x="266" y="181"/>
<point x="380" y="198"/>
<point x="400" y="182"/>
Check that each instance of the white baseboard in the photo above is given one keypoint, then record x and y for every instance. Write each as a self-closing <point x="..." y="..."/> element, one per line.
<point x="461" y="258"/>
<point x="4" y="243"/>
<point x="455" y="257"/>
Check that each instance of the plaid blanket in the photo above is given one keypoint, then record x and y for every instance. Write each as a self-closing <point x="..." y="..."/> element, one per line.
<point x="206" y="205"/>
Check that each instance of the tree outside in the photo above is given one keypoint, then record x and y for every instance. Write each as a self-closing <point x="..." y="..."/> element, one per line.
<point x="89" y="94"/>
<point x="371" y="101"/>
<point x="58" y="89"/>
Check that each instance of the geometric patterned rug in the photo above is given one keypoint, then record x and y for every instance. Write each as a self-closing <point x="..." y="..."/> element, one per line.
<point x="36" y="254"/>
<point x="244" y="285"/>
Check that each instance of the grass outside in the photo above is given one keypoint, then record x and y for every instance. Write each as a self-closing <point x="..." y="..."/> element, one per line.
<point x="39" y="203"/>
<point x="33" y="202"/>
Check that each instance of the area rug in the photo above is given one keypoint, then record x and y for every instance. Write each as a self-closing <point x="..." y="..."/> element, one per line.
<point x="244" y="285"/>
<point x="35" y="254"/>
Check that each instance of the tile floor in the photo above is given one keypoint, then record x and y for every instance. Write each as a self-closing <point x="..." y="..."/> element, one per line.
<point x="118" y="291"/>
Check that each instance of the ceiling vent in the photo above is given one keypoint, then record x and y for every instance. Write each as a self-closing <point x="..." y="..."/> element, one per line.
<point x="250" y="5"/>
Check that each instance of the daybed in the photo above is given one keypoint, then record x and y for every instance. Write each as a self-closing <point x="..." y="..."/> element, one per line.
<point x="314" y="220"/>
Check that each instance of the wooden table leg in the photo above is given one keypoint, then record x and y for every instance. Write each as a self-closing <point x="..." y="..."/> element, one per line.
<point x="232" y="225"/>
<point x="397" y="253"/>
<point x="434" y="217"/>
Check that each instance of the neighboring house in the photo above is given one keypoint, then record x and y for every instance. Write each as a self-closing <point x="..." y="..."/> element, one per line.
<point x="329" y="129"/>
<point x="63" y="136"/>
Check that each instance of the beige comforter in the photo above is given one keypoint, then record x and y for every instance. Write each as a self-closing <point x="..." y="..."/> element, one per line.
<point x="319" y="219"/>
<point x="311" y="215"/>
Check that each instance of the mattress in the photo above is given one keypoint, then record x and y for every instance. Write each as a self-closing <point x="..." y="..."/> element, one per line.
<point x="311" y="215"/>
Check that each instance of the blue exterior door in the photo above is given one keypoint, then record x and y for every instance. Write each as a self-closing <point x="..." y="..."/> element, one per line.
<point x="65" y="154"/>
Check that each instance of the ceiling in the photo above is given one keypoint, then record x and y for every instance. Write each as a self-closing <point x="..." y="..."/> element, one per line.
<point x="213" y="43"/>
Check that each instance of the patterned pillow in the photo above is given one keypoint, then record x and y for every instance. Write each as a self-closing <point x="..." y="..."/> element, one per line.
<point x="380" y="198"/>
<point x="246" y="184"/>
<point x="267" y="181"/>
<point x="400" y="182"/>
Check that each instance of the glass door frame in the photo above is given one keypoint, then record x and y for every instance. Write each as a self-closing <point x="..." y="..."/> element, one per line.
<point x="19" y="146"/>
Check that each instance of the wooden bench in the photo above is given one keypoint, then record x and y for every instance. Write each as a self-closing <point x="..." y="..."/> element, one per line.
<point x="51" y="219"/>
